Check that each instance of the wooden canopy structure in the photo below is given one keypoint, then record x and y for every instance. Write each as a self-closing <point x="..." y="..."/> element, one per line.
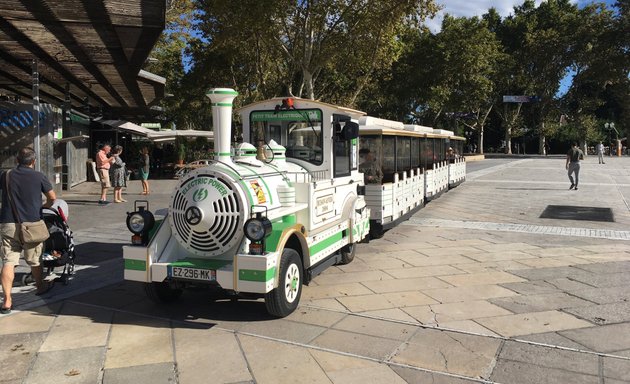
<point x="88" y="53"/>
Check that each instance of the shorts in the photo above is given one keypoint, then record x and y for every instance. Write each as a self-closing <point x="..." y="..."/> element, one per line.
<point x="11" y="248"/>
<point x="104" y="175"/>
<point x="144" y="175"/>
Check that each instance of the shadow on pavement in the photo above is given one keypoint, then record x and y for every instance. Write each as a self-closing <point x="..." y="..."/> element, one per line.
<point x="196" y="308"/>
<point x="94" y="252"/>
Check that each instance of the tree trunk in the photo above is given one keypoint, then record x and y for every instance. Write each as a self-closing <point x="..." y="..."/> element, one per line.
<point x="480" y="142"/>
<point x="508" y="130"/>
<point x="541" y="139"/>
<point x="308" y="82"/>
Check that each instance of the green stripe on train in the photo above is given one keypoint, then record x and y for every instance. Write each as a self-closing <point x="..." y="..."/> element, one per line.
<point x="315" y="248"/>
<point x="135" y="265"/>
<point x="256" y="275"/>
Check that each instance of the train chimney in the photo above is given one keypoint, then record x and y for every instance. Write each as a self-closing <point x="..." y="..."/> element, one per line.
<point x="221" y="99"/>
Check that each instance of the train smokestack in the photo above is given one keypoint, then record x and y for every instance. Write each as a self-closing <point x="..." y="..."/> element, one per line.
<point x="221" y="99"/>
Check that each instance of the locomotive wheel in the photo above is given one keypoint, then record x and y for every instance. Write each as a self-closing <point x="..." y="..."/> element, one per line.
<point x="347" y="253"/>
<point x="283" y="300"/>
<point x="162" y="292"/>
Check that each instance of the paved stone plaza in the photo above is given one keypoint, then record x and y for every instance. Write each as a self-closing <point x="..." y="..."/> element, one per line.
<point x="476" y="287"/>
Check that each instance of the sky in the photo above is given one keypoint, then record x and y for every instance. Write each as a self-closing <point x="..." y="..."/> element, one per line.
<point x="479" y="7"/>
<point x="505" y="8"/>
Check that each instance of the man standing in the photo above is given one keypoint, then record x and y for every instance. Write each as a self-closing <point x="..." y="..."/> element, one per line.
<point x="102" y="165"/>
<point x="26" y="186"/>
<point x="600" y="152"/>
<point x="573" y="164"/>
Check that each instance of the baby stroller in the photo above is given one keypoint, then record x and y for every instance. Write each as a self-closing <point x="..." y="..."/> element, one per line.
<point x="58" y="250"/>
<point x="59" y="247"/>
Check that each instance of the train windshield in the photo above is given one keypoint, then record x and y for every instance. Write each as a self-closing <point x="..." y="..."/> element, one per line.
<point x="299" y="130"/>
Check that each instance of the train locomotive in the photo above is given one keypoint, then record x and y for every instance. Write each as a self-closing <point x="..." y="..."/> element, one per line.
<point x="263" y="220"/>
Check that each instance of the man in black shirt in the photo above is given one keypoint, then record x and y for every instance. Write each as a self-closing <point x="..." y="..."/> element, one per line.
<point x="573" y="165"/>
<point x="26" y="186"/>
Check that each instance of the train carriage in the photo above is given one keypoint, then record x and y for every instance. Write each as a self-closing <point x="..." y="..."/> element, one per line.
<point x="418" y="164"/>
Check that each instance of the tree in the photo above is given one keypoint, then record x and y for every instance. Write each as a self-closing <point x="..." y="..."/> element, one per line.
<point x="540" y="40"/>
<point x="600" y="64"/>
<point x="182" y="106"/>
<point x="315" y="48"/>
<point x="470" y="53"/>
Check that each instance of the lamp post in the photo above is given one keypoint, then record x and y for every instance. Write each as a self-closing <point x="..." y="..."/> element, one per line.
<point x="611" y="127"/>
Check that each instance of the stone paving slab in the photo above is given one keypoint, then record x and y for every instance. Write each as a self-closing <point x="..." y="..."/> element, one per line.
<point x="154" y="373"/>
<point x="468" y="293"/>
<point x="222" y="358"/>
<point x="606" y="338"/>
<point x="357" y="344"/>
<point x="17" y="352"/>
<point x="467" y="355"/>
<point x="274" y="362"/>
<point x="81" y="365"/>
<point x="540" y="303"/>
<point x="136" y="340"/>
<point x="376" y="327"/>
<point x="604" y="295"/>
<point x="481" y="278"/>
<point x="603" y="314"/>
<point x="528" y="323"/>
<point x="78" y="326"/>
<point x="342" y="369"/>
<point x="522" y="373"/>
<point x="548" y="357"/>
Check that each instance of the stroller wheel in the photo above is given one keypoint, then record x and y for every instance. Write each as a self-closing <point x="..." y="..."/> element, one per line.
<point x="27" y="279"/>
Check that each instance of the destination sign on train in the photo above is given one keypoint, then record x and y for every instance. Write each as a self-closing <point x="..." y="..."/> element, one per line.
<point x="300" y="115"/>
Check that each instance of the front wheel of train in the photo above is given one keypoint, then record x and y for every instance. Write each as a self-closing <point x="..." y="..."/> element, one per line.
<point x="284" y="299"/>
<point x="162" y="292"/>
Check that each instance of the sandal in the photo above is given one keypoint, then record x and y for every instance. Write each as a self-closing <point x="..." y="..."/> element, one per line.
<point x="45" y="288"/>
<point x="6" y="310"/>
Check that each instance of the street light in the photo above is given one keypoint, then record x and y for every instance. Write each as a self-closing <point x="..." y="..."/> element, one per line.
<point x="611" y="127"/>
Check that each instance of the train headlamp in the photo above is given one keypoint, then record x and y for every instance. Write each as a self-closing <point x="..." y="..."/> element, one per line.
<point x="135" y="222"/>
<point x="140" y="222"/>
<point x="257" y="228"/>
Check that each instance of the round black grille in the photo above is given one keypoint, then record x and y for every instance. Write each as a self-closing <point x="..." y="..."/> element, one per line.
<point x="206" y="215"/>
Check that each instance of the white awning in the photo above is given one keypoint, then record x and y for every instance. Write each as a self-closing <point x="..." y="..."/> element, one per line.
<point x="128" y="126"/>
<point x="152" y="134"/>
<point x="171" y="135"/>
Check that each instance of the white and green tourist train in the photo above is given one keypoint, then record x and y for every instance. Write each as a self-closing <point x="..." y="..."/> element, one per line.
<point x="269" y="214"/>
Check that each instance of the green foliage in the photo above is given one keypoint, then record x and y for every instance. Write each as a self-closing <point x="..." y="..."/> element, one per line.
<point x="377" y="56"/>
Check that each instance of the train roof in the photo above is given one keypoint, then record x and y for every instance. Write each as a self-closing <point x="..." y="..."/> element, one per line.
<point x="300" y="103"/>
<point x="430" y="133"/>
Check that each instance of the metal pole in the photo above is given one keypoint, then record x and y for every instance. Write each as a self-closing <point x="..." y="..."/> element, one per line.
<point x="36" y="113"/>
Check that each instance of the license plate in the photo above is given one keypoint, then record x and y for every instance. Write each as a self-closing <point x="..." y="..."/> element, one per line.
<point x="193" y="273"/>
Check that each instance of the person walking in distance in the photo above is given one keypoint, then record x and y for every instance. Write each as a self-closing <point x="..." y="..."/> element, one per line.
<point x="600" y="152"/>
<point x="573" y="165"/>
<point x="144" y="170"/>
<point x="26" y="186"/>
<point x="103" y="163"/>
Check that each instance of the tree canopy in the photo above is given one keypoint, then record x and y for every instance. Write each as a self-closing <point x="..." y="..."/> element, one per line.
<point x="377" y="55"/>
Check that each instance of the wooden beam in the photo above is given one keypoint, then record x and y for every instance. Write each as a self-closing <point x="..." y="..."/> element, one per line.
<point x="42" y="55"/>
<point x="46" y="17"/>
